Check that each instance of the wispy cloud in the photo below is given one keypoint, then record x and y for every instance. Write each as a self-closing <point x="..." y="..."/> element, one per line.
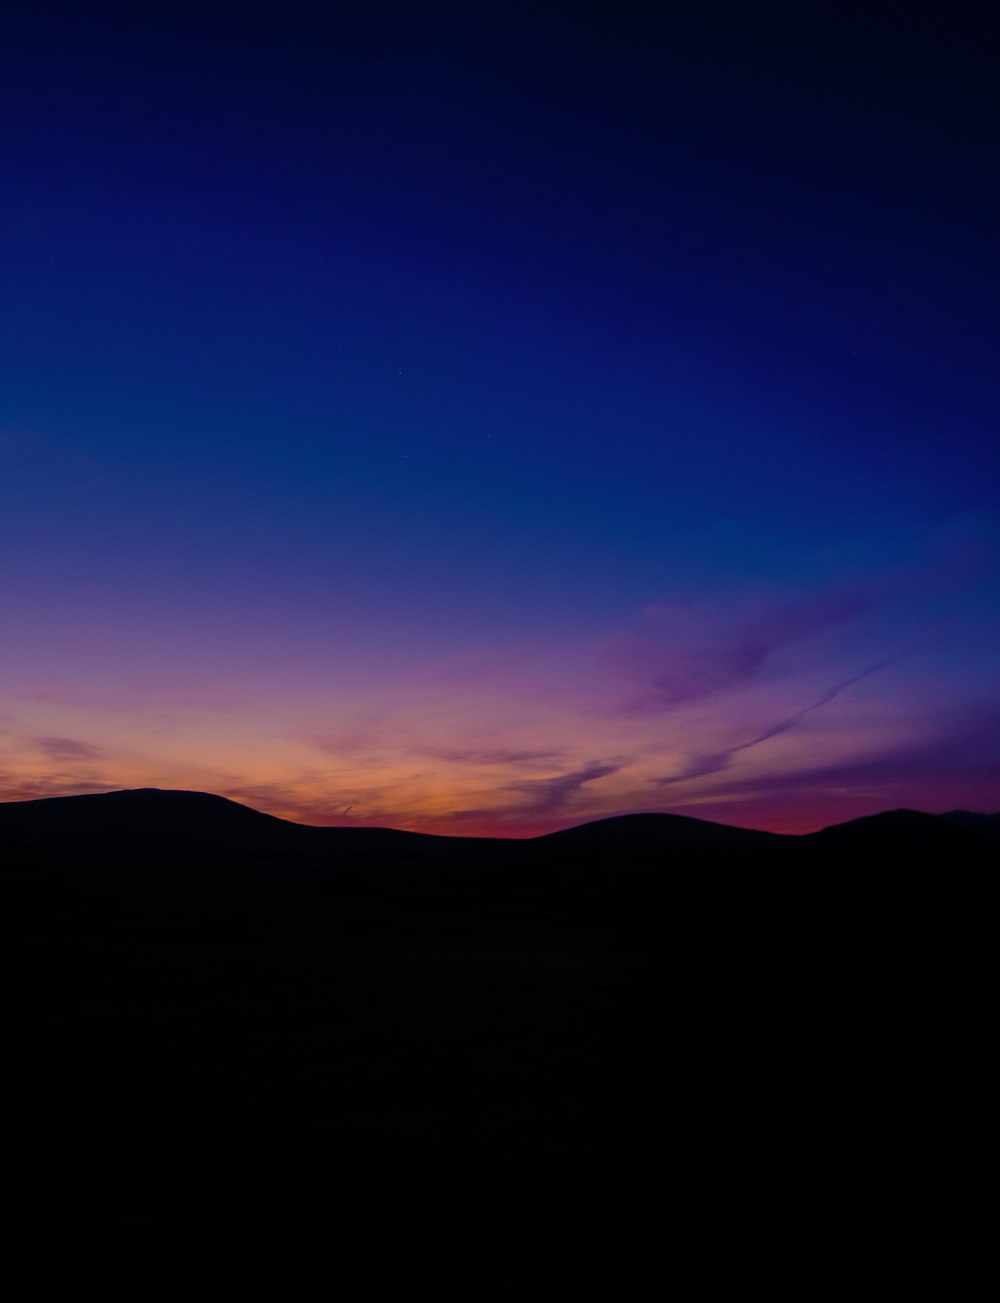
<point x="685" y="653"/>
<point x="28" y="787"/>
<point x="548" y="796"/>
<point x="306" y="804"/>
<point x="700" y="766"/>
<point x="66" y="749"/>
<point x="955" y="762"/>
<point x="134" y="696"/>
<point x="543" y="803"/>
<point x="491" y="756"/>
<point x="968" y="741"/>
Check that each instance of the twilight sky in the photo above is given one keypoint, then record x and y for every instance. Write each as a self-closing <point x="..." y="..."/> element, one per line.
<point x="480" y="419"/>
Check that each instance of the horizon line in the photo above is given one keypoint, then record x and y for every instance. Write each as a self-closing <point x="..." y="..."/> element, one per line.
<point x="632" y="814"/>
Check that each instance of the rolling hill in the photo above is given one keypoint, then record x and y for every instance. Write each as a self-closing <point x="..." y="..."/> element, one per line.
<point x="255" y="1059"/>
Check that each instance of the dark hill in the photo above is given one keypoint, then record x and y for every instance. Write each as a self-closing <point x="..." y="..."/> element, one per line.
<point x="986" y="825"/>
<point x="250" y="1058"/>
<point x="196" y="821"/>
<point x="157" y="820"/>
<point x="151" y="859"/>
<point x="674" y="833"/>
<point x="140" y="812"/>
<point x="905" y="837"/>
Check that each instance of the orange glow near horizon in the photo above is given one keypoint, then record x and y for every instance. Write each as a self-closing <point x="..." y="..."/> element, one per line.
<point x="548" y="770"/>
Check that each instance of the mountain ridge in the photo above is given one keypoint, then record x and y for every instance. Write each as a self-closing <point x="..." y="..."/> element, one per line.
<point x="222" y="1019"/>
<point x="208" y="811"/>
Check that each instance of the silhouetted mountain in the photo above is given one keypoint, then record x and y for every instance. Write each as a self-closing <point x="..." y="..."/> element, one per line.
<point x="251" y="1058"/>
<point x="986" y="825"/>
<point x="199" y="821"/>
<point x="166" y="820"/>
<point x="898" y="830"/>
<point x="662" y="832"/>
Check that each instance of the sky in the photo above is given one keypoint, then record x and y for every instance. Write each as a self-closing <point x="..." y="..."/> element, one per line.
<point x="481" y="419"/>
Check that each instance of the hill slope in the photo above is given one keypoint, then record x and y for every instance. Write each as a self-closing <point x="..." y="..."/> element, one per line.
<point x="251" y="1058"/>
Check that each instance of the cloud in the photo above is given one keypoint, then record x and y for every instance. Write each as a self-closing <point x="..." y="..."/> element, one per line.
<point x="685" y="653"/>
<point x="348" y="743"/>
<point x="957" y="762"/>
<point x="288" y="801"/>
<point x="546" y="799"/>
<point x="552" y="795"/>
<point x="681" y="653"/>
<point x="66" y="749"/>
<point x="969" y="744"/>
<point x="18" y="787"/>
<point x="487" y="756"/>
<point x="700" y="766"/>
<point x="136" y="696"/>
<point x="68" y="766"/>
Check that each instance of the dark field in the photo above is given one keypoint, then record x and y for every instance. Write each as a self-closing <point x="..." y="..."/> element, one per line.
<point x="251" y="1060"/>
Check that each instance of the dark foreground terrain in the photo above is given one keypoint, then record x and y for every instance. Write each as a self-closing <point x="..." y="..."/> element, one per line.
<point x="645" y="1057"/>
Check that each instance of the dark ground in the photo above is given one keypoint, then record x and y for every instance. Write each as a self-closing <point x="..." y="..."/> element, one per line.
<point x="250" y="1060"/>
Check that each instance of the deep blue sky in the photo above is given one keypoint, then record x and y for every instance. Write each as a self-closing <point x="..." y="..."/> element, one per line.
<point x="347" y="351"/>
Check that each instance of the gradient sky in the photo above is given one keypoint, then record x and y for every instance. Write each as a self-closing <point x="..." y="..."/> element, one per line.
<point x="481" y="419"/>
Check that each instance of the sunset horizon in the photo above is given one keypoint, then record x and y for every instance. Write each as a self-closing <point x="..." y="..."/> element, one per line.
<point x="468" y="424"/>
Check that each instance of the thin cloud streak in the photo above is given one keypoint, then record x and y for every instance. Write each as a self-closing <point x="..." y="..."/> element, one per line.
<point x="139" y="696"/>
<point x="687" y="654"/>
<point x="549" y="796"/>
<point x="66" y="749"/>
<point x="487" y="757"/>
<point x="18" y="787"/>
<point x="713" y="763"/>
<point x="548" y="802"/>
